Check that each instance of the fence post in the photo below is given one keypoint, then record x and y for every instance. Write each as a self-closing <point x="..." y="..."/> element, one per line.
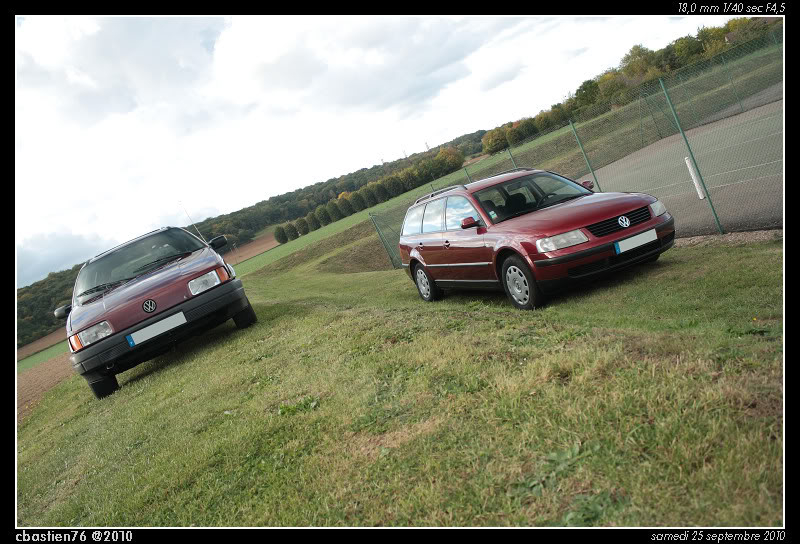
<point x="694" y="162"/>
<point x="468" y="178"/>
<point x="392" y="257"/>
<point x="584" y="155"/>
<point x="653" y="117"/>
<point x="727" y="71"/>
<point x="512" y="156"/>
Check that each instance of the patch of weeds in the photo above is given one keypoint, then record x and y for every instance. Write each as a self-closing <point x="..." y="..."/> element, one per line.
<point x="588" y="510"/>
<point x="456" y="325"/>
<point x="449" y="384"/>
<point x="558" y="464"/>
<point x="305" y="404"/>
<point x="378" y="419"/>
<point x="406" y="335"/>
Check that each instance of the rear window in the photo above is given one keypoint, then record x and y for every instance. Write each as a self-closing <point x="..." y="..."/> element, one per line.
<point x="434" y="216"/>
<point x="413" y="222"/>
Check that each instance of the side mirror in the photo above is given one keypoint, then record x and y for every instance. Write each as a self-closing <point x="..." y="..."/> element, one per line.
<point x="469" y="222"/>
<point x="589" y="184"/>
<point x="218" y="242"/>
<point x="63" y="312"/>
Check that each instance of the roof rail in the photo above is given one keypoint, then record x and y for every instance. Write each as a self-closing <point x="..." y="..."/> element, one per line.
<point x="521" y="168"/>
<point x="438" y="192"/>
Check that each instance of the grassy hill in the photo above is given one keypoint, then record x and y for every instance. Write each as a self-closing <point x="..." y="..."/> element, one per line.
<point x="652" y="398"/>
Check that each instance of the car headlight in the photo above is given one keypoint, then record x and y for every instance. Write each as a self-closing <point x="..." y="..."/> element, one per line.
<point x="560" y="241"/>
<point x="658" y="208"/>
<point x="208" y="280"/>
<point x="90" y="335"/>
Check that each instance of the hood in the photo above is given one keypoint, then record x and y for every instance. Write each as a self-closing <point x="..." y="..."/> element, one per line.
<point x="167" y="286"/>
<point x="576" y="213"/>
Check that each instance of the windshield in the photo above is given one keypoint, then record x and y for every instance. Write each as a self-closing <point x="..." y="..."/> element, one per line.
<point x="526" y="194"/>
<point x="132" y="260"/>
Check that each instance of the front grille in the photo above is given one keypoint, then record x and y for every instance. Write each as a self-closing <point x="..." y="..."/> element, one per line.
<point x="611" y="225"/>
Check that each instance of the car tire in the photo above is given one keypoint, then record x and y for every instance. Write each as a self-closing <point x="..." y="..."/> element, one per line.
<point x="426" y="287"/>
<point x="519" y="284"/>
<point x="246" y="317"/>
<point x="103" y="387"/>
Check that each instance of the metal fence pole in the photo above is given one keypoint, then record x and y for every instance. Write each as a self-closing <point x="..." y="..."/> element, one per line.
<point x="584" y="155"/>
<point x="691" y="154"/>
<point x="653" y="117"/>
<point x="727" y="71"/>
<point x="512" y="157"/>
<point x="468" y="178"/>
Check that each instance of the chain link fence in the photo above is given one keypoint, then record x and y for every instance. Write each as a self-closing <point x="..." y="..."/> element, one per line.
<point x="707" y="140"/>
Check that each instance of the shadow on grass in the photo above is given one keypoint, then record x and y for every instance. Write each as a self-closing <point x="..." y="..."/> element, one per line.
<point x="581" y="289"/>
<point x="218" y="336"/>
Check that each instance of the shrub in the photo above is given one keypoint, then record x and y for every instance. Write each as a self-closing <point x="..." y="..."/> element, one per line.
<point x="357" y="202"/>
<point x="313" y="222"/>
<point x="280" y="235"/>
<point x="302" y="225"/>
<point x="494" y="140"/>
<point x="291" y="231"/>
<point x="333" y="210"/>
<point x="369" y="195"/>
<point x="322" y="215"/>
<point x="381" y="194"/>
<point x="345" y="206"/>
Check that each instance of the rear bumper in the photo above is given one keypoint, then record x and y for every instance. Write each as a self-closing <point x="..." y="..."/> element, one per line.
<point x="113" y="355"/>
<point x="598" y="261"/>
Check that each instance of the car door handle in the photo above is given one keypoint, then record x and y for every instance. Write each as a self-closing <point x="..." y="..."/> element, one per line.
<point x="446" y="244"/>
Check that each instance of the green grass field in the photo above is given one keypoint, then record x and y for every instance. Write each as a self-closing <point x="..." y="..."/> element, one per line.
<point x="42" y="356"/>
<point x="652" y="398"/>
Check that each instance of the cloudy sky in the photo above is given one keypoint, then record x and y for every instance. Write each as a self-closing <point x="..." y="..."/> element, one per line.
<point x="121" y="121"/>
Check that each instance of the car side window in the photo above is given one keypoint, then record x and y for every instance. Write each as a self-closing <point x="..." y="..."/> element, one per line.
<point x="432" y="221"/>
<point x="458" y="208"/>
<point x="413" y="222"/>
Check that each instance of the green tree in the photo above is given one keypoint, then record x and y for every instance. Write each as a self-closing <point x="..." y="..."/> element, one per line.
<point x="527" y="127"/>
<point x="291" y="231"/>
<point x="587" y="93"/>
<point x="637" y="61"/>
<point x="393" y="185"/>
<point x="380" y="192"/>
<point x="280" y="235"/>
<point x="357" y="201"/>
<point x="302" y="225"/>
<point x="313" y="222"/>
<point x="333" y="210"/>
<point x="345" y="206"/>
<point x="449" y="159"/>
<point x="687" y="50"/>
<point x="322" y="215"/>
<point x="368" y="193"/>
<point x="494" y="140"/>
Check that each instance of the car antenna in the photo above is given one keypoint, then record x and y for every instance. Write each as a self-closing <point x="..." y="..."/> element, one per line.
<point x="192" y="222"/>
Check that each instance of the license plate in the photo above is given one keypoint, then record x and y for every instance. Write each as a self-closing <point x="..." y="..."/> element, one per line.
<point x="142" y="335"/>
<point x="635" y="241"/>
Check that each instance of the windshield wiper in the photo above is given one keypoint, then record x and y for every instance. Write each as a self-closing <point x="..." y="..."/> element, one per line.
<point x="162" y="259"/>
<point x="104" y="286"/>
<point x="558" y="201"/>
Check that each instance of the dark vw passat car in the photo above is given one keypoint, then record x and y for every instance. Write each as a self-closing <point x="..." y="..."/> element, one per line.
<point x="139" y="299"/>
<point x="529" y="232"/>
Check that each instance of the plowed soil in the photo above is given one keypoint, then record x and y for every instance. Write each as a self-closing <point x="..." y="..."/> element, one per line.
<point x="33" y="383"/>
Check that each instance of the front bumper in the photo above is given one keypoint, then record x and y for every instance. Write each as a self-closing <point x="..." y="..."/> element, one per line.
<point x="113" y="354"/>
<point x="591" y="263"/>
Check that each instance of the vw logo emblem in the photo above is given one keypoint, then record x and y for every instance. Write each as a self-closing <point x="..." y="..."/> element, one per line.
<point x="624" y="222"/>
<point x="149" y="306"/>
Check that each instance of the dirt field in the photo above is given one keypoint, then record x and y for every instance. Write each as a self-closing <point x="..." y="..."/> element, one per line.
<point x="34" y="382"/>
<point x="42" y="343"/>
<point x="256" y="247"/>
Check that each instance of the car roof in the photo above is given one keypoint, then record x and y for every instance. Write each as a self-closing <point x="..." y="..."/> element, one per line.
<point x="478" y="185"/>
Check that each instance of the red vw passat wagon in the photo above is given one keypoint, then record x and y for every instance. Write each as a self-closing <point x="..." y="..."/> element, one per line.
<point x="137" y="300"/>
<point x="529" y="232"/>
